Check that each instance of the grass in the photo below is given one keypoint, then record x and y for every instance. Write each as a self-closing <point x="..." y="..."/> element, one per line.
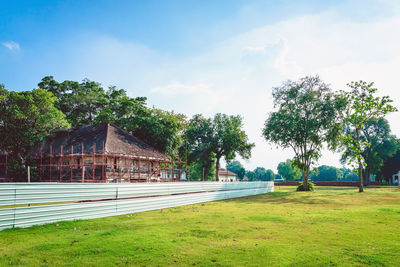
<point x="333" y="226"/>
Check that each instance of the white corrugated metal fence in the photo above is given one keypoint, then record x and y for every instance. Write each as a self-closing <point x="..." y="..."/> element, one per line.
<point x="83" y="201"/>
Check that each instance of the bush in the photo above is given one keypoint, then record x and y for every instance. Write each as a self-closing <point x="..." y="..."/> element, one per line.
<point x="384" y="183"/>
<point x="302" y="188"/>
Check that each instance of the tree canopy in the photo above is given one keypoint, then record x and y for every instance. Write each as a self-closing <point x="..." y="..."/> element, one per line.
<point x="306" y="118"/>
<point x="391" y="165"/>
<point x="269" y="175"/>
<point x="289" y="172"/>
<point x="251" y="175"/>
<point x="363" y="107"/>
<point x="87" y="102"/>
<point x="237" y="168"/>
<point x="327" y="173"/>
<point x="26" y="119"/>
<point x="221" y="136"/>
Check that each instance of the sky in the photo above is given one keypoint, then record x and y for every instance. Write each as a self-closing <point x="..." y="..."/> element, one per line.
<point x="205" y="56"/>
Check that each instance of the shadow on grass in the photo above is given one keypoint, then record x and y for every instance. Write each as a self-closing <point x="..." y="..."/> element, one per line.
<point x="336" y="188"/>
<point x="284" y="198"/>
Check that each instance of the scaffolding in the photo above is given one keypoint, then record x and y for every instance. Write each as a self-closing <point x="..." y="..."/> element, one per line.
<point x="103" y="167"/>
<point x="79" y="166"/>
<point x="101" y="153"/>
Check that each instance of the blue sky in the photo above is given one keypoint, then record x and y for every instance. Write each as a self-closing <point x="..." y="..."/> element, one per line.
<point x="204" y="56"/>
<point x="52" y="30"/>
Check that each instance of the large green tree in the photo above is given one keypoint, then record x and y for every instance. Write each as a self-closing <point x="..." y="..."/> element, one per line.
<point x="26" y="119"/>
<point x="221" y="136"/>
<point x="87" y="102"/>
<point x="306" y="118"/>
<point x="362" y="106"/>
<point x="81" y="102"/>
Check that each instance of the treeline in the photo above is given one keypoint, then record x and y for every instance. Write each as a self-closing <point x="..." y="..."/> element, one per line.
<point x="307" y="116"/>
<point x="27" y="118"/>
<point x="288" y="172"/>
<point x="258" y="174"/>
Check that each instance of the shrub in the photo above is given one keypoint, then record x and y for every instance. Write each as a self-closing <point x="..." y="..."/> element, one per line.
<point x="302" y="188"/>
<point x="384" y="183"/>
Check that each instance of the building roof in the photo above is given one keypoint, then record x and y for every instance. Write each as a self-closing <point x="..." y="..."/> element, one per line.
<point x="222" y="171"/>
<point x="107" y="138"/>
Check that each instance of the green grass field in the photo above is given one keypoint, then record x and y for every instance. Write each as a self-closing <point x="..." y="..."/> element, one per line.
<point x="333" y="226"/>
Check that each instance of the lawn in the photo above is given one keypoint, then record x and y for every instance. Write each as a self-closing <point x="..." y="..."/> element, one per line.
<point x="331" y="226"/>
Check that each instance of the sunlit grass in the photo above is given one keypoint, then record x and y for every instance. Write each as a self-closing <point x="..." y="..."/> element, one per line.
<point x="331" y="226"/>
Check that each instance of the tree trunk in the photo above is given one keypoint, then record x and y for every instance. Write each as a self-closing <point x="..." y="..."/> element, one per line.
<point x="217" y="168"/>
<point x="367" y="176"/>
<point x="305" y="179"/>
<point x="360" y="168"/>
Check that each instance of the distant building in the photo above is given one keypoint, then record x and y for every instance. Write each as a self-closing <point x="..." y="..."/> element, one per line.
<point x="227" y="176"/>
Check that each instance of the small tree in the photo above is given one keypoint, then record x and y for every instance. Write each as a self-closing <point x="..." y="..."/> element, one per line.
<point x="260" y="173"/>
<point x="237" y="168"/>
<point x="307" y="117"/>
<point x="223" y="136"/>
<point x="362" y="106"/>
<point x="251" y="175"/>
<point x="287" y="171"/>
<point x="228" y="139"/>
<point x="269" y="175"/>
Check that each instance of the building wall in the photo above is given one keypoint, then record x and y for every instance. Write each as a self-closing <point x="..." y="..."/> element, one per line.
<point x="227" y="178"/>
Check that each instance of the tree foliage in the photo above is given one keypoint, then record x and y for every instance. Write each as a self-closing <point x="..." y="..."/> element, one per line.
<point x="327" y="173"/>
<point x="306" y="118"/>
<point x="260" y="173"/>
<point x="221" y="136"/>
<point x="26" y="119"/>
<point x="269" y="175"/>
<point x="363" y="106"/>
<point x="391" y="165"/>
<point x="382" y="145"/>
<point x="288" y="171"/>
<point x="237" y="168"/>
<point x="251" y="175"/>
<point x="87" y="102"/>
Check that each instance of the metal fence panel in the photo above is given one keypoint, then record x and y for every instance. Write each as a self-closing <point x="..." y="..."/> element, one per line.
<point x="115" y="199"/>
<point x="24" y="193"/>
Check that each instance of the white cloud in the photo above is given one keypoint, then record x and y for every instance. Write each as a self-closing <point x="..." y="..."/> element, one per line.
<point x="236" y="76"/>
<point x="11" y="45"/>
<point x="179" y="88"/>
